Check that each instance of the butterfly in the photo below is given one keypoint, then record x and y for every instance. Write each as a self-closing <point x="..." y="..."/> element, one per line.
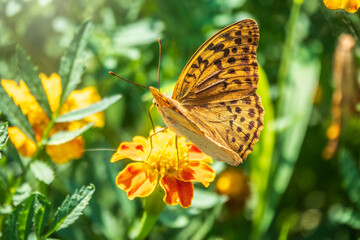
<point x="214" y="103"/>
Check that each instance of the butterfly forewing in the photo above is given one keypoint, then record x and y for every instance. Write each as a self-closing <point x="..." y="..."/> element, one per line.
<point x="223" y="67"/>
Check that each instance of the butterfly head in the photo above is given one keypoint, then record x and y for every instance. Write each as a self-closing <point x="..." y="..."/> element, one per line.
<point x="160" y="99"/>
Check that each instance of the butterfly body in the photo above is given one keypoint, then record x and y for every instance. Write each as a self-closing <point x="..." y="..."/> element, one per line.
<point x="214" y="103"/>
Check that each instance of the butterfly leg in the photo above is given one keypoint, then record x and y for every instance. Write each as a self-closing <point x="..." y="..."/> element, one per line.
<point x="152" y="122"/>
<point x="177" y="152"/>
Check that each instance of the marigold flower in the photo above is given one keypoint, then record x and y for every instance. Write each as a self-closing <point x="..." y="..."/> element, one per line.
<point x="38" y="119"/>
<point x="174" y="169"/>
<point x="350" y="6"/>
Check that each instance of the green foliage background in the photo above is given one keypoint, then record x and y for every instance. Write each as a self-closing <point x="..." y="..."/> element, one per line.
<point x="295" y="193"/>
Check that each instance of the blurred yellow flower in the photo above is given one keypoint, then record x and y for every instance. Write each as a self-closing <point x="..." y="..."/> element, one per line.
<point x="174" y="169"/>
<point x="22" y="97"/>
<point x="234" y="184"/>
<point x="350" y="6"/>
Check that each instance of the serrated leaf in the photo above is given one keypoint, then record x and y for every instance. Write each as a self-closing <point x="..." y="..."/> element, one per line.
<point x="42" y="171"/>
<point x="24" y="217"/>
<point x="66" y="136"/>
<point x="351" y="176"/>
<point x="71" y="66"/>
<point x="4" y="136"/>
<point x="71" y="209"/>
<point x="87" y="111"/>
<point x="10" y="231"/>
<point x="32" y="80"/>
<point x="41" y="214"/>
<point x="15" y="115"/>
<point x="22" y="193"/>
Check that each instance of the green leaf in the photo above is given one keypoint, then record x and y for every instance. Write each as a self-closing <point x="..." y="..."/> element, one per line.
<point x="41" y="214"/>
<point x="15" y="115"/>
<point x="24" y="217"/>
<point x="351" y="176"/>
<point x="4" y="136"/>
<point x="346" y="216"/>
<point x="71" y="209"/>
<point x="22" y="193"/>
<point x="206" y="200"/>
<point x="261" y="167"/>
<point x="10" y="231"/>
<point x="71" y="66"/>
<point x="34" y="209"/>
<point x="173" y="219"/>
<point x="32" y="80"/>
<point x="66" y="136"/>
<point x="208" y="223"/>
<point x="42" y="171"/>
<point x="87" y="111"/>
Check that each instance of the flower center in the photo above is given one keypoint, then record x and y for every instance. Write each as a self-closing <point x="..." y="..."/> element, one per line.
<point x="165" y="158"/>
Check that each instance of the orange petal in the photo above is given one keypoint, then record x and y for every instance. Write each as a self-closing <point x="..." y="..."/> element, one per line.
<point x="65" y="152"/>
<point x="22" y="143"/>
<point x="137" y="180"/>
<point x="350" y="6"/>
<point x="198" y="171"/>
<point x="135" y="150"/>
<point x="196" y="154"/>
<point x="128" y="150"/>
<point x="177" y="191"/>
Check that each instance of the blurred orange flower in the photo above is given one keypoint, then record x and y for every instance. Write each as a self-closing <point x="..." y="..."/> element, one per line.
<point x="38" y="119"/>
<point x="350" y="6"/>
<point x="174" y="169"/>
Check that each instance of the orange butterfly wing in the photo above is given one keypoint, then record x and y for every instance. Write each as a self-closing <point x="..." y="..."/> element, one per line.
<point x="214" y="103"/>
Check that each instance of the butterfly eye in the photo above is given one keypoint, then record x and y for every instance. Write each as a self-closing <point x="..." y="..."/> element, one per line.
<point x="155" y="103"/>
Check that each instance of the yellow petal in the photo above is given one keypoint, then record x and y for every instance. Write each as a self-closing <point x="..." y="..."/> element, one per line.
<point x="350" y="6"/>
<point x="26" y="101"/>
<point x="63" y="153"/>
<point x="22" y="143"/>
<point x="53" y="89"/>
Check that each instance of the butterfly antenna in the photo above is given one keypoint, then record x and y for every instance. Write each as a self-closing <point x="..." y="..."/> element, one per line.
<point x="159" y="40"/>
<point x="112" y="73"/>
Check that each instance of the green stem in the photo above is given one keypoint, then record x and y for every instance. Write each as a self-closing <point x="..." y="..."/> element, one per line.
<point x="153" y="206"/>
<point x="147" y="223"/>
<point x="287" y="51"/>
<point x="40" y="144"/>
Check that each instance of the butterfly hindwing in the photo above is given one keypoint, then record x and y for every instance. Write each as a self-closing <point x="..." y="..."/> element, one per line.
<point x="223" y="67"/>
<point x="235" y="124"/>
